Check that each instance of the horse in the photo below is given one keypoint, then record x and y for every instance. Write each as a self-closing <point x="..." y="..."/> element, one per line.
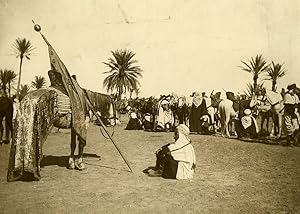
<point x="227" y="113"/>
<point x="37" y="114"/>
<point x="180" y="109"/>
<point x="231" y="108"/>
<point x="104" y="105"/>
<point x="149" y="106"/>
<point x="265" y="116"/>
<point x="270" y="101"/>
<point x="212" y="104"/>
<point x="6" y="111"/>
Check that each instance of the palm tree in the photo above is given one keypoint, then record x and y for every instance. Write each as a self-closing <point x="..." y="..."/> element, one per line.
<point x="23" y="91"/>
<point x="130" y="93"/>
<point x="250" y="89"/>
<point x="4" y="80"/>
<point x="38" y="82"/>
<point x="11" y="78"/>
<point x="123" y="74"/>
<point x="274" y="72"/>
<point x="22" y="48"/>
<point x="256" y="67"/>
<point x="137" y="91"/>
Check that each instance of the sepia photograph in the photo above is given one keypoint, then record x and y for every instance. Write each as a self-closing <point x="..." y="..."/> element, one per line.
<point x="149" y="106"/>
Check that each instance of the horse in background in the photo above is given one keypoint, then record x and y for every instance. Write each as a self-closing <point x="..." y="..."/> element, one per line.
<point x="212" y="104"/>
<point x="231" y="109"/>
<point x="104" y="106"/>
<point x="273" y="102"/>
<point x="6" y="111"/>
<point x="180" y="109"/>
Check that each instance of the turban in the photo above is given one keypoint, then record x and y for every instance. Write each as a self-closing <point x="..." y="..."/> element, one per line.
<point x="247" y="112"/>
<point x="183" y="129"/>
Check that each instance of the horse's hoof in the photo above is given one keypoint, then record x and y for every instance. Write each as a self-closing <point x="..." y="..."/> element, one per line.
<point x="71" y="163"/>
<point x="80" y="165"/>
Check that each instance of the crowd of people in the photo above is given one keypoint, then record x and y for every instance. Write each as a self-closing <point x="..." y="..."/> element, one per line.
<point x="202" y="115"/>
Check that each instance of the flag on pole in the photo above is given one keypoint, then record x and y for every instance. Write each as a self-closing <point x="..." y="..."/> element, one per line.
<point x="78" y="99"/>
<point x="75" y="93"/>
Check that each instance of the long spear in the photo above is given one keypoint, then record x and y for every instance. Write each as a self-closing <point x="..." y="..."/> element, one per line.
<point x="37" y="28"/>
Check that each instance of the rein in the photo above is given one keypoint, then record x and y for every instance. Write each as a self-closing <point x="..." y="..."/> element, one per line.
<point x="181" y="147"/>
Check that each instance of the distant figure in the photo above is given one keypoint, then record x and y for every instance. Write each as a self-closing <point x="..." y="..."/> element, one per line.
<point x="165" y="119"/>
<point x="175" y="160"/>
<point x="134" y="122"/>
<point x="148" y="122"/>
<point x="247" y="126"/>
<point x="291" y="125"/>
<point x="197" y="111"/>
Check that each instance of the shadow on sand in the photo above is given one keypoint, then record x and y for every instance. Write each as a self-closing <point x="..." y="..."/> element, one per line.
<point x="62" y="161"/>
<point x="261" y="141"/>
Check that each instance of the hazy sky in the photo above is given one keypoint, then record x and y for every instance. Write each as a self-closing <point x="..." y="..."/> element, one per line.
<point x="181" y="45"/>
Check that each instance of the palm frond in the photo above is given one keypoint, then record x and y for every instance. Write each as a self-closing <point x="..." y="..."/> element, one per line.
<point x="23" y="48"/>
<point x="123" y="74"/>
<point x="38" y="82"/>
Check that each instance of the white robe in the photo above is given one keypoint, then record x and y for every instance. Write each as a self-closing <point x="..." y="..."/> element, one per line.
<point x="164" y="117"/>
<point x="183" y="152"/>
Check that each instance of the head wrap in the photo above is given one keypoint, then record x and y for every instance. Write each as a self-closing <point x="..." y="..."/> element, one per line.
<point x="197" y="99"/>
<point x="247" y="112"/>
<point x="183" y="129"/>
<point x="183" y="152"/>
<point x="164" y="102"/>
<point x="148" y="117"/>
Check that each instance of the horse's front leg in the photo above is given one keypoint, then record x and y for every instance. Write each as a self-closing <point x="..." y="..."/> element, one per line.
<point x="1" y="129"/>
<point x="279" y="125"/>
<point x="227" y="122"/>
<point x="8" y="130"/>
<point x="274" y="127"/>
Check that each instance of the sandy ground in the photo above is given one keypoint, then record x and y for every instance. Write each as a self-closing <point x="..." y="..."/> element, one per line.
<point x="231" y="177"/>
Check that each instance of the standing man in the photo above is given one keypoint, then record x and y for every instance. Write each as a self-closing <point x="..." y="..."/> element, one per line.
<point x="291" y="101"/>
<point x="196" y="113"/>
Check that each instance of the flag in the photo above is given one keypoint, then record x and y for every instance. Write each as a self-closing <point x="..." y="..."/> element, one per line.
<point x="75" y="93"/>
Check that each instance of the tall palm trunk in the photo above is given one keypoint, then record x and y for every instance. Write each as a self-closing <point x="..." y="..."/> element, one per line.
<point x="255" y="83"/>
<point x="9" y="89"/>
<point x="273" y="85"/>
<point x="130" y="95"/>
<point x="120" y="92"/>
<point x="4" y="89"/>
<point x="19" y="80"/>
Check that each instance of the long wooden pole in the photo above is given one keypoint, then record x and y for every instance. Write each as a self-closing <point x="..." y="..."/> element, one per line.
<point x="99" y="119"/>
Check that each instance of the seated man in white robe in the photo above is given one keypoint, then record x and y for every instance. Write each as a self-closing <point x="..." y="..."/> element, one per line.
<point x="175" y="160"/>
<point x="165" y="119"/>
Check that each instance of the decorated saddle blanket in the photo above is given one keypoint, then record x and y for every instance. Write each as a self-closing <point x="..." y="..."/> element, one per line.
<point x="33" y="123"/>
